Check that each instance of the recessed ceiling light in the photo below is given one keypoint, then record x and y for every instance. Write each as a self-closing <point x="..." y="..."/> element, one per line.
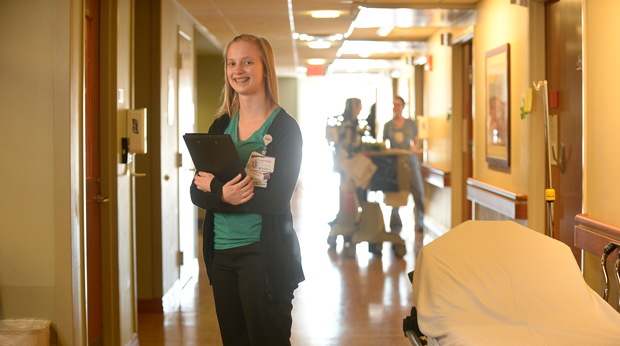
<point x="319" y="45"/>
<point x="316" y="61"/>
<point x="325" y="14"/>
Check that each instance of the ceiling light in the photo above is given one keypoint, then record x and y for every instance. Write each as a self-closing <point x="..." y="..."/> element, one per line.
<point x="384" y="30"/>
<point x="382" y="47"/>
<point x="316" y="61"/>
<point x="319" y="45"/>
<point x="364" y="54"/>
<point x="420" y="61"/>
<point x="325" y="14"/>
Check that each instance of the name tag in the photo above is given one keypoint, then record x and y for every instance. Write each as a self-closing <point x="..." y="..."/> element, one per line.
<point x="259" y="168"/>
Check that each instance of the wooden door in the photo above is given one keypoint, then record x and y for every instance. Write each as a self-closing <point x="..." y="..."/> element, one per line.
<point x="93" y="199"/>
<point x="564" y="77"/>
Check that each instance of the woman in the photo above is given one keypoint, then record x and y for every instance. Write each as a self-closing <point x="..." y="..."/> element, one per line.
<point x="403" y="134"/>
<point x="250" y="248"/>
<point x="349" y="137"/>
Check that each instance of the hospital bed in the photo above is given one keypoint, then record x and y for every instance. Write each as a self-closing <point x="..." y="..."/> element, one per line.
<point x="500" y="283"/>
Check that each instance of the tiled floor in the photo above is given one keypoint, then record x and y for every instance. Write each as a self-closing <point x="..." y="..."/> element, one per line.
<point x="344" y="301"/>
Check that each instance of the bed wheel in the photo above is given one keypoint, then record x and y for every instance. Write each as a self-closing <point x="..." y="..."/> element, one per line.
<point x="349" y="250"/>
<point x="399" y="250"/>
<point x="375" y="248"/>
<point x="331" y="241"/>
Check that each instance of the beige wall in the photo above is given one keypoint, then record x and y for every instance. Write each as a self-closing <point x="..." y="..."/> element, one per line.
<point x="27" y="256"/>
<point x="35" y="255"/>
<point x="38" y="127"/>
<point x="601" y="122"/>
<point x="499" y="23"/>
<point x="287" y="90"/>
<point x="210" y="80"/>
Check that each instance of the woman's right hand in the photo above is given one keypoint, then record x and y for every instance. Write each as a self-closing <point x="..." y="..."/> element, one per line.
<point x="238" y="191"/>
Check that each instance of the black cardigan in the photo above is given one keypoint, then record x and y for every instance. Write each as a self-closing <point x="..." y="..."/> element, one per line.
<point x="278" y="240"/>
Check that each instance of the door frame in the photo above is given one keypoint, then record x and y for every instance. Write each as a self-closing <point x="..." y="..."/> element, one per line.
<point x="459" y="133"/>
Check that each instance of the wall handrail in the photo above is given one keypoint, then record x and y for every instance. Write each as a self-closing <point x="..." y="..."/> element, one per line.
<point x="496" y="190"/>
<point x="586" y="220"/>
<point x="434" y="175"/>
<point x="510" y="204"/>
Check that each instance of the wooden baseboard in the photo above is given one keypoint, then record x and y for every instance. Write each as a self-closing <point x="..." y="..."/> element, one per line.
<point x="154" y="305"/>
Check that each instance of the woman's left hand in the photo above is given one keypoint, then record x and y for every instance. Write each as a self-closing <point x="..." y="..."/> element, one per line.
<point x="203" y="181"/>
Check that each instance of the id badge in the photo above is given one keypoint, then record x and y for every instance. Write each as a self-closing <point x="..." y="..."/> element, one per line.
<point x="259" y="168"/>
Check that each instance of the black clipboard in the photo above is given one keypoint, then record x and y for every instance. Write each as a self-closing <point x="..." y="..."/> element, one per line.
<point x="216" y="154"/>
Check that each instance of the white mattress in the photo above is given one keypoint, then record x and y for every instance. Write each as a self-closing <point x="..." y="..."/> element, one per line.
<point x="500" y="283"/>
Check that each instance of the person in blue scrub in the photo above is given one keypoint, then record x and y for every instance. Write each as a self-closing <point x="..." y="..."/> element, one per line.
<point x="402" y="133"/>
<point x="250" y="248"/>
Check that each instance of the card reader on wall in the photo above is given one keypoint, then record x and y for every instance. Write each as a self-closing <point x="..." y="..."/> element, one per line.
<point x="136" y="130"/>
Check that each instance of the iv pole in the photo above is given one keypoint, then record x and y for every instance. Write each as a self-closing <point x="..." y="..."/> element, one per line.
<point x="549" y="192"/>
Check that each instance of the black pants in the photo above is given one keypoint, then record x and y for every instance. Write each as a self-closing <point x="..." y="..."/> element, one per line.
<point x="245" y="315"/>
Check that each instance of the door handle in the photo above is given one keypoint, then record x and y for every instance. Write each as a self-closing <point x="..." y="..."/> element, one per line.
<point x="101" y="199"/>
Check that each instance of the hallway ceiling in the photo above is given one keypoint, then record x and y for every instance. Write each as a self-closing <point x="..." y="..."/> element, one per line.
<point x="411" y="22"/>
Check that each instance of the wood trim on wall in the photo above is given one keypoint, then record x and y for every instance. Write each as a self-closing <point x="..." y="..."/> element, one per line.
<point x="592" y="235"/>
<point x="434" y="175"/>
<point x="507" y="203"/>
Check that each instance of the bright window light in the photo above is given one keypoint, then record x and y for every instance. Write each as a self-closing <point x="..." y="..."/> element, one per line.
<point x="325" y="14"/>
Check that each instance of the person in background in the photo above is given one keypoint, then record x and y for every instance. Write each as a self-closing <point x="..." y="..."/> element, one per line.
<point x="372" y="121"/>
<point x="250" y="248"/>
<point x="349" y="136"/>
<point x="402" y="133"/>
<point x="349" y="141"/>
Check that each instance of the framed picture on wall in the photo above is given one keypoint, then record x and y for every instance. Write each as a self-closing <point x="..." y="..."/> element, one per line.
<point x="497" y="105"/>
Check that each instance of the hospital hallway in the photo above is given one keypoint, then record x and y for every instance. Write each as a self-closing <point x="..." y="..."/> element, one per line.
<point x="343" y="301"/>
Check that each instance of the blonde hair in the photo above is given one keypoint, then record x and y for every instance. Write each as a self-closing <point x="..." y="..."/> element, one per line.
<point x="230" y="98"/>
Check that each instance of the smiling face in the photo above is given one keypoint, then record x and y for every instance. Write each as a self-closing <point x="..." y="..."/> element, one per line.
<point x="244" y="68"/>
<point x="398" y="107"/>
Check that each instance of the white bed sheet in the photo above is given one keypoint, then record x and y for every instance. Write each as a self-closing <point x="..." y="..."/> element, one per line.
<point x="500" y="283"/>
